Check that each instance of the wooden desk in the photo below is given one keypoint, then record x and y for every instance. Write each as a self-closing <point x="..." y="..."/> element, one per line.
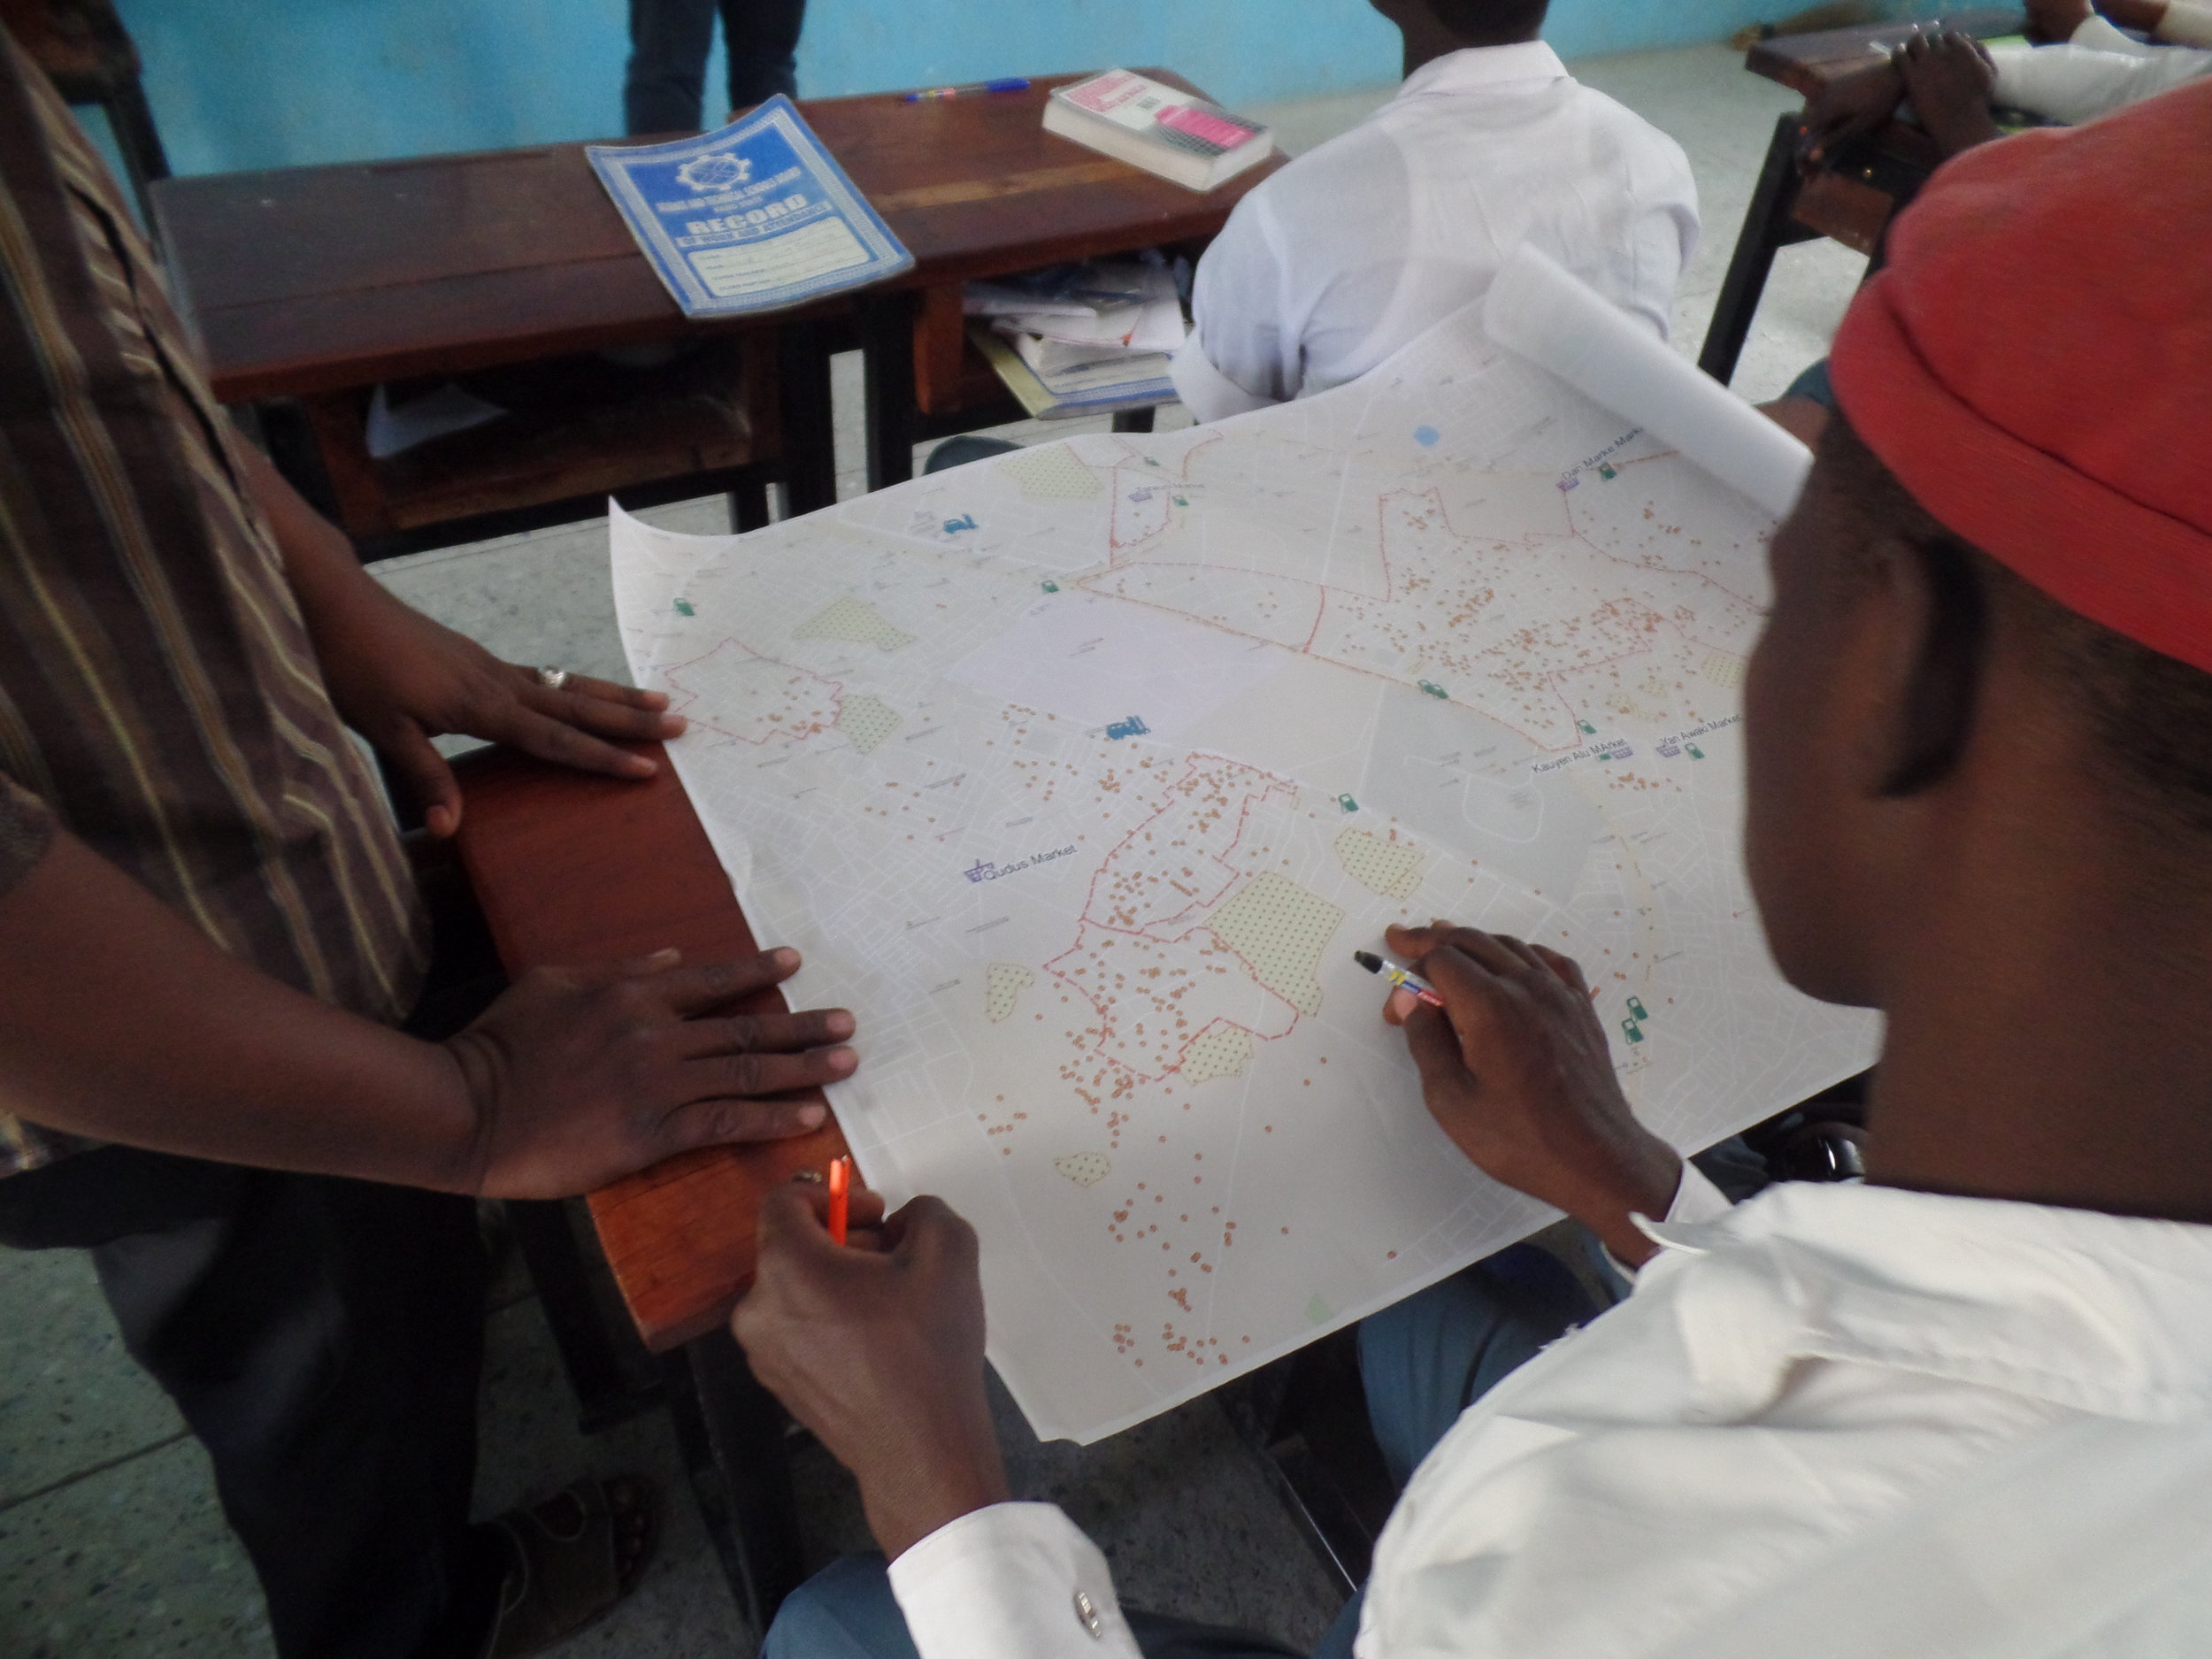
<point x="574" y="869"/>
<point x="977" y="188"/>
<point x="1807" y="63"/>
<point x="319" y="283"/>
<point x="1853" y="193"/>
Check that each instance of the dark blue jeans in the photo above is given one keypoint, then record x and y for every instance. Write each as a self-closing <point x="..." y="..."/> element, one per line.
<point x="666" y="88"/>
<point x="1422" y="1362"/>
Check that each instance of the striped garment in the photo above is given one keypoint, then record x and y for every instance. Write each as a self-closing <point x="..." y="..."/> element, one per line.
<point x="159" y="697"/>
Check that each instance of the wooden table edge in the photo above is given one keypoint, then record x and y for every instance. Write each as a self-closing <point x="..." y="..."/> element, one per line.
<point x="680" y="1236"/>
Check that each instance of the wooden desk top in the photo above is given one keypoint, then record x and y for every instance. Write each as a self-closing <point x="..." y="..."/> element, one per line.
<point x="319" y="279"/>
<point x="572" y="869"/>
<point x="1807" y="63"/>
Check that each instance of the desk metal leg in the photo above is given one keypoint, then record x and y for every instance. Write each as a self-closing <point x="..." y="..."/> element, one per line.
<point x="613" y="1378"/>
<point x="1767" y="226"/>
<point x="139" y="143"/>
<point x="809" y="430"/>
<point x="886" y="339"/>
<point x="732" y="1431"/>
<point x="748" y="503"/>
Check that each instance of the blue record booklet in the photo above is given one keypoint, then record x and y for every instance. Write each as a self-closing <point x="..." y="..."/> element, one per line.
<point x="755" y="218"/>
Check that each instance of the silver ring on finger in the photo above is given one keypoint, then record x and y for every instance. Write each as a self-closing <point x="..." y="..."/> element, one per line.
<point x="553" y="679"/>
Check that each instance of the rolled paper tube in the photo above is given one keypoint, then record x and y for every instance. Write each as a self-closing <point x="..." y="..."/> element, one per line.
<point x="1543" y="313"/>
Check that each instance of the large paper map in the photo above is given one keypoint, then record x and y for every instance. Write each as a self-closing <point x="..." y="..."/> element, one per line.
<point x="1080" y="774"/>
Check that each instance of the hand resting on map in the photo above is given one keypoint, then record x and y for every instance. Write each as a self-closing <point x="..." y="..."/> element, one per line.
<point x="1516" y="1069"/>
<point x="877" y="1347"/>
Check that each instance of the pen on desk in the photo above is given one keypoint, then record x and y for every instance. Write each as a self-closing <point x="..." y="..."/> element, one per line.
<point x="1010" y="83"/>
<point x="840" y="1182"/>
<point x="1403" y="978"/>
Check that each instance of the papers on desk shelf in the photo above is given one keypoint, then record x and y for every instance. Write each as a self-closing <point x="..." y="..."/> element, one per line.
<point x="1076" y="340"/>
<point x="754" y="218"/>
<point x="1142" y="313"/>
<point x="393" y="430"/>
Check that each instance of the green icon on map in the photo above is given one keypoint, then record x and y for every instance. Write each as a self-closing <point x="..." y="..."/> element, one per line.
<point x="683" y="608"/>
<point x="1181" y="502"/>
<point x="1607" y="470"/>
<point x="1587" y="729"/>
<point x="1637" y="1010"/>
<point x="1635" y="1031"/>
<point x="1695" y="752"/>
<point x="1435" y="691"/>
<point x="1347" y="804"/>
<point x="1052" y="587"/>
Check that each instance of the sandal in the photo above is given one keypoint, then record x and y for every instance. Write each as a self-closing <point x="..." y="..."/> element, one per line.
<point x="567" y="1570"/>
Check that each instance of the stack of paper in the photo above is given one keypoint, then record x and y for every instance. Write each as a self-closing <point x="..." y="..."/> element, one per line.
<point x="1082" y="339"/>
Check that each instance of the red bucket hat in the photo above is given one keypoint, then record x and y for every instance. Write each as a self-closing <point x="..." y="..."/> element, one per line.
<point x="2035" y="364"/>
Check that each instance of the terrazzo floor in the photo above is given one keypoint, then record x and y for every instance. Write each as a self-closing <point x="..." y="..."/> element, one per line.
<point x="112" y="1546"/>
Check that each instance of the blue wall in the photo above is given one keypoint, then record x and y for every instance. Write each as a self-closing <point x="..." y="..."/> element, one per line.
<point x="264" y="83"/>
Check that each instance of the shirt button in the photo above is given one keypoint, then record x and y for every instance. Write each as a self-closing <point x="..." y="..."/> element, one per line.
<point x="1086" y="1616"/>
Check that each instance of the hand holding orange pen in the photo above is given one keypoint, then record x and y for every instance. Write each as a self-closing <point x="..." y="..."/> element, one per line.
<point x="840" y="1182"/>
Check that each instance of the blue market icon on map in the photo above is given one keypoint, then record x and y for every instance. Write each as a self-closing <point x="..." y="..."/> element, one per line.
<point x="756" y="217"/>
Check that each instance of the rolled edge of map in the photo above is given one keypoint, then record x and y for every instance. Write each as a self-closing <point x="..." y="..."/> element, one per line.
<point x="1545" y="313"/>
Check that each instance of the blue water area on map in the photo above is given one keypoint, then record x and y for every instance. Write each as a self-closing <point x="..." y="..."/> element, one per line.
<point x="1426" y="436"/>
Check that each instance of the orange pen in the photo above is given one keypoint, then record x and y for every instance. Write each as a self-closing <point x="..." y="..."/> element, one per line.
<point x="840" y="1181"/>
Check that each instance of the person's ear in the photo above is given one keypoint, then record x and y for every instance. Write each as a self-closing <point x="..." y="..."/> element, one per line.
<point x="1924" y="650"/>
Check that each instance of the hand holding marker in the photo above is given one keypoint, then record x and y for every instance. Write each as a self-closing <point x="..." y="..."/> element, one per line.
<point x="1402" y="978"/>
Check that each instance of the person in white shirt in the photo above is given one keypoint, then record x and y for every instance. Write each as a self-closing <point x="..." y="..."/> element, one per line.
<point x="2092" y="68"/>
<point x="1963" y="1409"/>
<point x="1358" y="246"/>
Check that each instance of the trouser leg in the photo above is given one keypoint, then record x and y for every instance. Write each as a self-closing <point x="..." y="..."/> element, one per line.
<point x="323" y="1339"/>
<point x="762" y="37"/>
<point x="1337" y="1644"/>
<point x="1424" y="1361"/>
<point x="666" y="80"/>
<point x="847" y="1611"/>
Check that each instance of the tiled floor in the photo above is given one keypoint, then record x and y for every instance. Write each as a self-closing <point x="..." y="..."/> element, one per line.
<point x="110" y="1543"/>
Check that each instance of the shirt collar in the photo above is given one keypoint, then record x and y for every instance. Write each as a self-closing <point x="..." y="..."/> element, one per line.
<point x="2098" y="1313"/>
<point x="1478" y="67"/>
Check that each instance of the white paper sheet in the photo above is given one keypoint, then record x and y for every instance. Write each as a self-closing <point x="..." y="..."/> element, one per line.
<point x="1542" y="311"/>
<point x="1103" y="972"/>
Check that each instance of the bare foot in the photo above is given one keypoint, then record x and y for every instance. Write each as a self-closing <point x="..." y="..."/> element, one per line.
<point x="1948" y="79"/>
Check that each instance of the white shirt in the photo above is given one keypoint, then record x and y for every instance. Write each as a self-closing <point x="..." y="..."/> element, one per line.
<point x="1360" y="245"/>
<point x="2099" y="69"/>
<point x="1836" y="1423"/>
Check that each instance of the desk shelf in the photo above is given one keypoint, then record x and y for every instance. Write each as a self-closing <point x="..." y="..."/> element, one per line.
<point x="577" y="427"/>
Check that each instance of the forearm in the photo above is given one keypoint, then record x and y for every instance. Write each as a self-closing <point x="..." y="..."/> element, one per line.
<point x="326" y="577"/>
<point x="2170" y="22"/>
<point x="2184" y="23"/>
<point x="121" y="1022"/>
<point x="2074" y="84"/>
<point x="1643" y="1179"/>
